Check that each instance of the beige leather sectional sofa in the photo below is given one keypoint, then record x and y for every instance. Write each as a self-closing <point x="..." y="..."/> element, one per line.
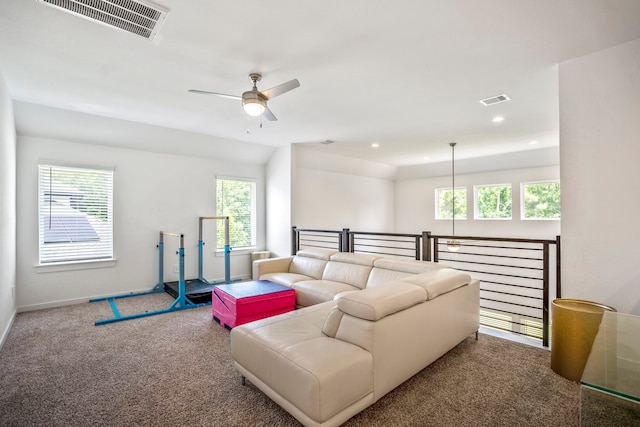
<point x="365" y="324"/>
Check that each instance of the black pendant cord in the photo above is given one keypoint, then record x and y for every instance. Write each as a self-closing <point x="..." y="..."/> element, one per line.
<point x="453" y="190"/>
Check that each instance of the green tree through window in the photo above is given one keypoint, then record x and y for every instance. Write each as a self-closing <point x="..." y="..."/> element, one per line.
<point x="445" y="203"/>
<point x="493" y="202"/>
<point x="236" y="199"/>
<point x="541" y="200"/>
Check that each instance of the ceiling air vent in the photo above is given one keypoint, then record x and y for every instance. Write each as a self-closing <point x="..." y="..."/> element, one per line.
<point x="495" y="99"/>
<point x="137" y="17"/>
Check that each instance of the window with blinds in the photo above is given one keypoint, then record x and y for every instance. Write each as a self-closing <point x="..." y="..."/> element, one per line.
<point x="236" y="198"/>
<point x="75" y="213"/>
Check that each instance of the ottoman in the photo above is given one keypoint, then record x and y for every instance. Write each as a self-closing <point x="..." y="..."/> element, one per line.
<point x="239" y="303"/>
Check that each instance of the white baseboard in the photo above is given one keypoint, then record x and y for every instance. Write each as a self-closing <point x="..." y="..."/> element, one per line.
<point x="62" y="303"/>
<point x="5" y="333"/>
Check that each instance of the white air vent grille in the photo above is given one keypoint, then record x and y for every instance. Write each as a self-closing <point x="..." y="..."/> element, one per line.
<point x="495" y="99"/>
<point x="143" y="19"/>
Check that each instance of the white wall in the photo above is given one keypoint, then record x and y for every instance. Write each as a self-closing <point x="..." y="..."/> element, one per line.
<point x="7" y="212"/>
<point x="333" y="193"/>
<point x="415" y="205"/>
<point x="599" y="151"/>
<point x="152" y="192"/>
<point x="278" y="176"/>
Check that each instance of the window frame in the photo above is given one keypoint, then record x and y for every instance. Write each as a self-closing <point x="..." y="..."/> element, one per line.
<point x="476" y="210"/>
<point x="253" y="214"/>
<point x="523" y="200"/>
<point x="85" y="253"/>
<point x="439" y="217"/>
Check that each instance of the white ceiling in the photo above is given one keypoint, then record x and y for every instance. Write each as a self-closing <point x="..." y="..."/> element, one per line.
<point x="407" y="74"/>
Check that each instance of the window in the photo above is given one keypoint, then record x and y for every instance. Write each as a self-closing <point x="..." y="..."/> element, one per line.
<point x="541" y="200"/>
<point x="444" y="197"/>
<point x="493" y="201"/>
<point x="236" y="198"/>
<point x="75" y="213"/>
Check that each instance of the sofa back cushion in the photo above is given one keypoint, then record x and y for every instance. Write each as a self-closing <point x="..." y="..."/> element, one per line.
<point x="438" y="282"/>
<point x="374" y="304"/>
<point x="382" y="276"/>
<point x="389" y="269"/>
<point x="352" y="269"/>
<point x="310" y="262"/>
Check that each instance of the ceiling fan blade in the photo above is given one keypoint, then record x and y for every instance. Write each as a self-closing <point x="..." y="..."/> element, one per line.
<point x="223" y="95"/>
<point x="280" y="89"/>
<point x="267" y="114"/>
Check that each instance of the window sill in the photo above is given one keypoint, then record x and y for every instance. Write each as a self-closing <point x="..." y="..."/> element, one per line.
<point x="232" y="252"/>
<point x="75" y="265"/>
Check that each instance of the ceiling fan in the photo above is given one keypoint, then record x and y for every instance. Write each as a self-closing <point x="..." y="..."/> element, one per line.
<point x="254" y="102"/>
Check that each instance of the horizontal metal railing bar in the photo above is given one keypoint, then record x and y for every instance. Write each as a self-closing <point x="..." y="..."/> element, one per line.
<point x="510" y="303"/>
<point x="390" y="238"/>
<point x="496" y="265"/>
<point x="385" y="247"/>
<point x="317" y="245"/>
<point x="514" y="285"/>
<point x="466" y="245"/>
<point x="327" y="235"/>
<point x="314" y="230"/>
<point x="316" y="240"/>
<point x="496" y="239"/>
<point x="373" y="233"/>
<point x="385" y="253"/>
<point x="498" y="256"/>
<point x="493" y="274"/>
<point x="513" y="295"/>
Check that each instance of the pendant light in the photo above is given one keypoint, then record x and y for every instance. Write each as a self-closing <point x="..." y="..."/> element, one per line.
<point x="453" y="245"/>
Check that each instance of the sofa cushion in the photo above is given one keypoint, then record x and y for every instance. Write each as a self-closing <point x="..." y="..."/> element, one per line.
<point x="353" y="258"/>
<point x="286" y="279"/>
<point x="408" y="265"/>
<point x="438" y="282"/>
<point x="310" y="292"/>
<point x="376" y="303"/>
<point x="308" y="266"/>
<point x="332" y="322"/>
<point x="382" y="276"/>
<point x="318" y="375"/>
<point x="318" y="253"/>
<point x="351" y="274"/>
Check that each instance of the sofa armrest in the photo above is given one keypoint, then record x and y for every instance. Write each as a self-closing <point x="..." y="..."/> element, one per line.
<point x="375" y="303"/>
<point x="270" y="265"/>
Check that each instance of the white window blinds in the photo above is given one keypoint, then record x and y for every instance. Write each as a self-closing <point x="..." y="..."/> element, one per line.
<point x="75" y="213"/>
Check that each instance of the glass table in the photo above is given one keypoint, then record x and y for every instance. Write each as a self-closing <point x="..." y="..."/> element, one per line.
<point x="610" y="384"/>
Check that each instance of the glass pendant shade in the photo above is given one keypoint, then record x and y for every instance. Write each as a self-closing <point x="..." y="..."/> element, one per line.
<point x="254" y="107"/>
<point x="453" y="245"/>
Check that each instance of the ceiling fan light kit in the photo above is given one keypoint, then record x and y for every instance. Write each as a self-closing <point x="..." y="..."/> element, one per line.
<point x="252" y="104"/>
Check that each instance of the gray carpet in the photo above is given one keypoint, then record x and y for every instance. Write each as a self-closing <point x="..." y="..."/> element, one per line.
<point x="58" y="369"/>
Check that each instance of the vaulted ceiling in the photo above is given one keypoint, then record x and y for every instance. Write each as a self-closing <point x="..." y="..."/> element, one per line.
<point x="407" y="75"/>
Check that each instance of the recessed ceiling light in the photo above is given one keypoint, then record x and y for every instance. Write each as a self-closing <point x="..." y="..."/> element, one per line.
<point x="426" y="157"/>
<point x="497" y="119"/>
<point x="375" y="145"/>
<point x="533" y="142"/>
